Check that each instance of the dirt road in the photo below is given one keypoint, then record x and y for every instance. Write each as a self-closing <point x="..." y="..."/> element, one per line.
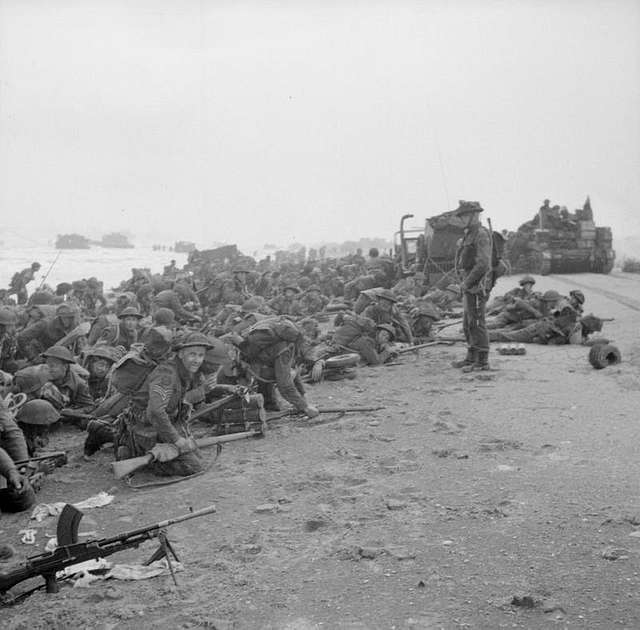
<point x="466" y="495"/>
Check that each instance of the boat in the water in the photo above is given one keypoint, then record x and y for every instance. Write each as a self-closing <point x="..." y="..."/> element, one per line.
<point x="116" y="239"/>
<point x="72" y="241"/>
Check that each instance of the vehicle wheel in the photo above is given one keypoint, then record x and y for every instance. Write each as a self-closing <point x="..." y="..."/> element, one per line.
<point x="603" y="355"/>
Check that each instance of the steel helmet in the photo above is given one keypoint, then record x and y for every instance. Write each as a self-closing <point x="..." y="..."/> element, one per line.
<point x="193" y="339"/>
<point x="389" y="328"/>
<point x="61" y="353"/>
<point x="130" y="311"/>
<point x="550" y="296"/>
<point x="38" y="412"/>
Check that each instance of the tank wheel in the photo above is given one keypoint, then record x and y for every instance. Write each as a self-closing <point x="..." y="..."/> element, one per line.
<point x="603" y="355"/>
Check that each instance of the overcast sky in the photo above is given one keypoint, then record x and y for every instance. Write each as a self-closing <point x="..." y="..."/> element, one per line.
<point x="256" y="122"/>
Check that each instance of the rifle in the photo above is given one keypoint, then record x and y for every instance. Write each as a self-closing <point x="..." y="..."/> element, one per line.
<point x="294" y="412"/>
<point x="216" y="404"/>
<point x="59" y="458"/>
<point x="423" y="345"/>
<point x="71" y="552"/>
<point x="46" y="275"/>
<point x="125" y="467"/>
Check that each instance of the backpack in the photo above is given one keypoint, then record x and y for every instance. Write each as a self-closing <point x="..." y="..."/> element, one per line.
<point x="499" y="266"/>
<point x="270" y="332"/>
<point x="130" y="372"/>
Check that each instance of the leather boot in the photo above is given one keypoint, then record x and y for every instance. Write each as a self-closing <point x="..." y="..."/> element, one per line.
<point x="481" y="362"/>
<point x="470" y="359"/>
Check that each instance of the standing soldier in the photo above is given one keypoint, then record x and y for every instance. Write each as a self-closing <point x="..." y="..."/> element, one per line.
<point x="20" y="281"/>
<point x="474" y="260"/>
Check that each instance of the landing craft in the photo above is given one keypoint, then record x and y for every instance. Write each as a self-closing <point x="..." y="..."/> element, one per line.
<point x="72" y="241"/>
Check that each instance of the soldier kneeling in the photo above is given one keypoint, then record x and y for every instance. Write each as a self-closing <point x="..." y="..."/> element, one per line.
<point x="163" y="430"/>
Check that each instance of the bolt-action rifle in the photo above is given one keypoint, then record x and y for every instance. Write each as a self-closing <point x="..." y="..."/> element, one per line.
<point x="71" y="552"/>
<point x="294" y="412"/>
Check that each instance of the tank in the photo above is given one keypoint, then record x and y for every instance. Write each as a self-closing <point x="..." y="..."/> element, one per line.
<point x="559" y="241"/>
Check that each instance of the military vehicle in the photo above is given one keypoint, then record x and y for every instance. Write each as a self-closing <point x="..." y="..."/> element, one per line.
<point x="559" y="241"/>
<point x="116" y="240"/>
<point x="72" y="241"/>
<point x="433" y="249"/>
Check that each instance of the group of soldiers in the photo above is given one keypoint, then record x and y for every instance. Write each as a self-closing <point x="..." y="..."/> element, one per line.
<point x="130" y="368"/>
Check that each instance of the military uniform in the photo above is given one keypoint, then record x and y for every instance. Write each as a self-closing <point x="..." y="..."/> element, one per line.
<point x="13" y="448"/>
<point x="164" y="420"/>
<point x="393" y="317"/>
<point x="283" y="305"/>
<point x="474" y="260"/>
<point x="271" y="363"/>
<point x="357" y="334"/>
<point x="45" y="333"/>
<point x="74" y="392"/>
<point x="169" y="299"/>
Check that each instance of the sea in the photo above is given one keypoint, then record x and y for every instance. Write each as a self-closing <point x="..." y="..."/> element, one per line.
<point x="111" y="266"/>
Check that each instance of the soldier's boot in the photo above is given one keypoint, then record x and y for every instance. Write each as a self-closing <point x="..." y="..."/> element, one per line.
<point x="481" y="363"/>
<point x="470" y="359"/>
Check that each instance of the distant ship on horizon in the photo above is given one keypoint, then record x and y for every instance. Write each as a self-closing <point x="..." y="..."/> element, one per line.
<point x="72" y="241"/>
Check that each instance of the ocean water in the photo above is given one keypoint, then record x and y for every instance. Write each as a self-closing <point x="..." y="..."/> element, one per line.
<point x="111" y="266"/>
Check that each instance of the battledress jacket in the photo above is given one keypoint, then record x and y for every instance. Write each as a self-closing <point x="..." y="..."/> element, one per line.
<point x="76" y="390"/>
<point x="164" y="418"/>
<point x="12" y="444"/>
<point x="357" y="333"/>
<point x="474" y="258"/>
<point x="393" y="317"/>
<point x="274" y="364"/>
<point x="40" y="336"/>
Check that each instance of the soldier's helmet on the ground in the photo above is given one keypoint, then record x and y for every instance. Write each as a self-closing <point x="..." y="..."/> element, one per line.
<point x="550" y="296"/>
<point x="578" y="295"/>
<point x="38" y="412"/>
<point x="527" y="280"/>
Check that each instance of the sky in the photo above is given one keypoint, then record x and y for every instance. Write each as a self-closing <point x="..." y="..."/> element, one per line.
<point x="310" y="121"/>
